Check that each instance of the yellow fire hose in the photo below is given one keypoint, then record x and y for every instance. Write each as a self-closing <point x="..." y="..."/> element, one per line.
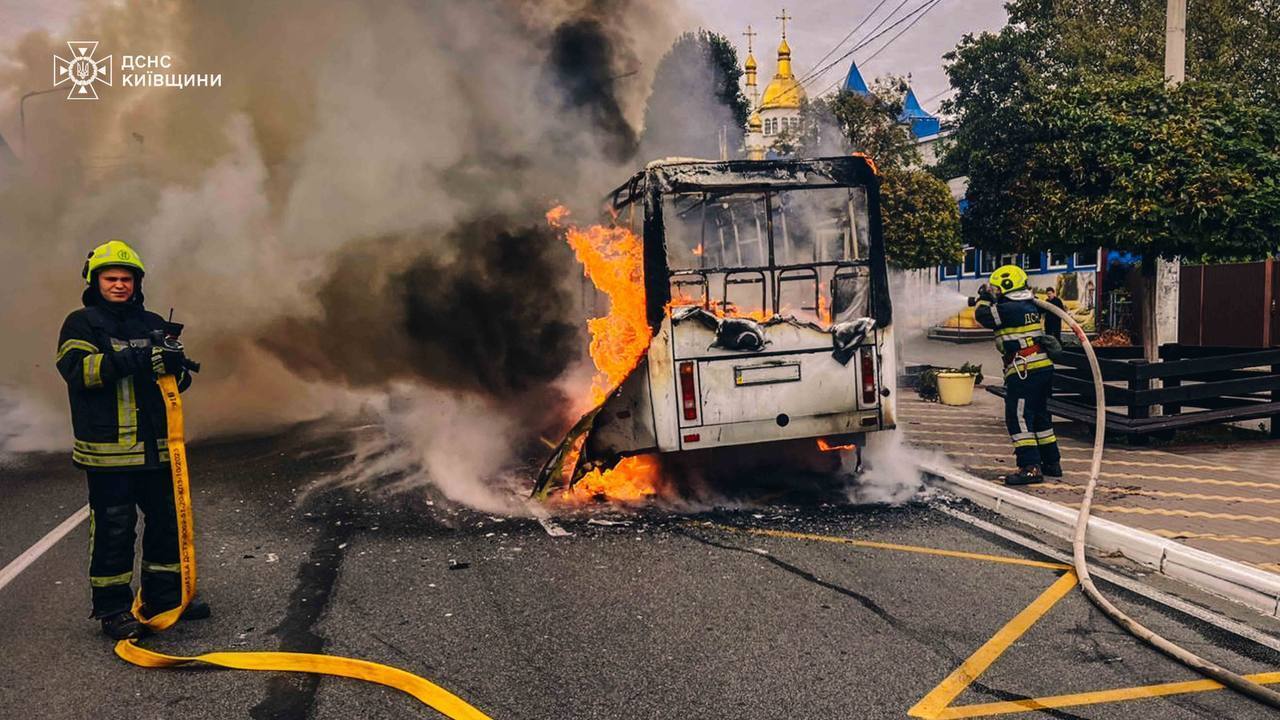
<point x="425" y="691"/>
<point x="1240" y="684"/>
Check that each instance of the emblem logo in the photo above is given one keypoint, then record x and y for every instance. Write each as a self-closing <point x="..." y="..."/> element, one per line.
<point x="82" y="71"/>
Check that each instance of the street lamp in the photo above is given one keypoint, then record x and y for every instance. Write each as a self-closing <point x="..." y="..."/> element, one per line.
<point x="22" y="117"/>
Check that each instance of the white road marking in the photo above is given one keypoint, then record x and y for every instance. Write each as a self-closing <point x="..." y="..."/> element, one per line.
<point x="33" y="553"/>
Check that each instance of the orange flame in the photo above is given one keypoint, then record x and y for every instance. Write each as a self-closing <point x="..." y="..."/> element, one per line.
<point x="634" y="480"/>
<point x="613" y="258"/>
<point x="825" y="446"/>
<point x="824" y="310"/>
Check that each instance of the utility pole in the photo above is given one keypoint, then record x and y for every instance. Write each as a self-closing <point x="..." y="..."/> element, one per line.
<point x="1160" y="324"/>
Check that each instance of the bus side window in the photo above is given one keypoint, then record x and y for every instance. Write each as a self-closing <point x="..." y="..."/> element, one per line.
<point x="850" y="293"/>
<point x="689" y="289"/>
<point x="820" y="225"/>
<point x="798" y="295"/>
<point x="682" y="219"/>
<point x="746" y="294"/>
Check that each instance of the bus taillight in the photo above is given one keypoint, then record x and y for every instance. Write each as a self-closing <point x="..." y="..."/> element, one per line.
<point x="868" y="377"/>
<point x="687" y="396"/>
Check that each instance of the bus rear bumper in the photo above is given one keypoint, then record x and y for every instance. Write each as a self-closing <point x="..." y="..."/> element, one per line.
<point x="782" y="427"/>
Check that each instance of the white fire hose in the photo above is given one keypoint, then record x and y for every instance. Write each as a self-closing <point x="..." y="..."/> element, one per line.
<point x="1195" y="662"/>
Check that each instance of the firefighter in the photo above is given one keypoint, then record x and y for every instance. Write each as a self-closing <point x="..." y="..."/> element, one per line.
<point x="106" y="356"/>
<point x="1006" y="306"/>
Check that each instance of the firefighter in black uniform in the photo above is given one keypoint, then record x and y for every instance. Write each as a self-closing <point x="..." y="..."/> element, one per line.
<point x="106" y="356"/>
<point x="1006" y="306"/>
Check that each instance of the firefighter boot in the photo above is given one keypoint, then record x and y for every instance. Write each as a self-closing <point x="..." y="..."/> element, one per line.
<point x="122" y="626"/>
<point x="197" y="609"/>
<point x="1052" y="469"/>
<point x="1028" y="475"/>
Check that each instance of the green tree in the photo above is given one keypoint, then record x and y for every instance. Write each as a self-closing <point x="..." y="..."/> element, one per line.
<point x="1070" y="137"/>
<point x="847" y="121"/>
<point x="1004" y="81"/>
<point x="921" y="220"/>
<point x="695" y="97"/>
<point x="1132" y="164"/>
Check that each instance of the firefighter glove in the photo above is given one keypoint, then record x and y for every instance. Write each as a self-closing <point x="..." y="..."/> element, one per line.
<point x="132" y="361"/>
<point x="167" y="362"/>
<point x="985" y="294"/>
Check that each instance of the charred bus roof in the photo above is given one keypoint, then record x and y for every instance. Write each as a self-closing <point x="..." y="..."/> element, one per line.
<point x="688" y="175"/>
<point x="692" y="175"/>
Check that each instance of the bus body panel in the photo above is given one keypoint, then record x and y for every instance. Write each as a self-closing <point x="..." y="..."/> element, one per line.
<point x="696" y="395"/>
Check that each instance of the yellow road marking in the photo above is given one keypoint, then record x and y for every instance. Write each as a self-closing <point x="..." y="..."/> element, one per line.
<point x="1215" y="537"/>
<point x="933" y="705"/>
<point x="1093" y="698"/>
<point x="1163" y="494"/>
<point x="1110" y="461"/>
<point x="964" y="422"/>
<point x="1165" y="512"/>
<point x="910" y="431"/>
<point x="894" y="546"/>
<point x="1158" y="478"/>
<point x="1005" y="445"/>
<point x="936" y="705"/>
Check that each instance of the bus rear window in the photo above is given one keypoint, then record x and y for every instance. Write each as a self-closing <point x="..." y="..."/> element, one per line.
<point x="820" y="225"/>
<point x="709" y="230"/>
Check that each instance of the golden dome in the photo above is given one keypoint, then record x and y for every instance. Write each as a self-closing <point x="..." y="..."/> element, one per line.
<point x="751" y="62"/>
<point x="783" y="92"/>
<point x="754" y="124"/>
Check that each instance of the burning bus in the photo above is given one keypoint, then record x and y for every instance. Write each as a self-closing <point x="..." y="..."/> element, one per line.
<point x="759" y="313"/>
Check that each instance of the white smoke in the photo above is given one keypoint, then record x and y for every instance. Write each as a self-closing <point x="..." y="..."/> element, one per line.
<point x="366" y="133"/>
<point x="891" y="470"/>
<point x="919" y="301"/>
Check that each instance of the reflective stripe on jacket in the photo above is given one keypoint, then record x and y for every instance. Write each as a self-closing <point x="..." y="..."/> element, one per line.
<point x="118" y="420"/>
<point x="1018" y="327"/>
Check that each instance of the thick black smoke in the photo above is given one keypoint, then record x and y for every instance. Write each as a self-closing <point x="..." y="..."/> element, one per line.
<point x="483" y="310"/>
<point x="583" y="60"/>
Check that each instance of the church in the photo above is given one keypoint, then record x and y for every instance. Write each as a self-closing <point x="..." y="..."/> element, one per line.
<point x="778" y="110"/>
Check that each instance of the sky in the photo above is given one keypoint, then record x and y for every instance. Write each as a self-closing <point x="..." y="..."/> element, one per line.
<point x="818" y="25"/>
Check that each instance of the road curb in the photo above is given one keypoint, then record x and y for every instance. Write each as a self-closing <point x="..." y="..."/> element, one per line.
<point x="1227" y="578"/>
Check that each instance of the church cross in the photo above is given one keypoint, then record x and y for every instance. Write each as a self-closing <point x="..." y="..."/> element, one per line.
<point x="750" y="36"/>
<point x="784" y="17"/>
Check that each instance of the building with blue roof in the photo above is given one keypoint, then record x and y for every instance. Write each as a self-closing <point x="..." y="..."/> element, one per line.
<point x="923" y="125"/>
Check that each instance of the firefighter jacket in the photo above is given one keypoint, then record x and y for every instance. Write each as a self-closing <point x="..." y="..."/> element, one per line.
<point x="118" y="419"/>
<point x="1018" y="327"/>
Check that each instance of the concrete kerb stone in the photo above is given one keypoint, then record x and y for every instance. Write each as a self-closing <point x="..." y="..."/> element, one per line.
<point x="1256" y="588"/>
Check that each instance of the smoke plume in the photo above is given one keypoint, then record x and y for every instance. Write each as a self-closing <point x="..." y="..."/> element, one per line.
<point x="354" y="215"/>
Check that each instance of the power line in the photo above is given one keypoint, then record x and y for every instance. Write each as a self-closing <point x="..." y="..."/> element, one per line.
<point x="890" y="42"/>
<point x="861" y="43"/>
<point x="925" y="6"/>
<point x="851" y="34"/>
<point x="912" y="24"/>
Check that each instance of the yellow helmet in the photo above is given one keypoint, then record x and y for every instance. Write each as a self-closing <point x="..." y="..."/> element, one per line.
<point x="1008" y="278"/>
<point x="112" y="253"/>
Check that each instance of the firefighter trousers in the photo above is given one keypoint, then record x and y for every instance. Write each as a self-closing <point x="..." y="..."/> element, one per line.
<point x="1026" y="415"/>
<point x="114" y="499"/>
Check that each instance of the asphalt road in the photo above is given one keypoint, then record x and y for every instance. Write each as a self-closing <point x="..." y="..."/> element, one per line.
<point x="746" y="613"/>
